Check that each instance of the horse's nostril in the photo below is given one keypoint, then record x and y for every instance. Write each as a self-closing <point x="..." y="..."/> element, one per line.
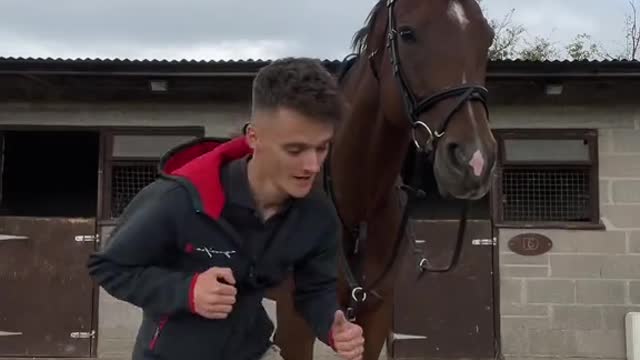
<point x="456" y="155"/>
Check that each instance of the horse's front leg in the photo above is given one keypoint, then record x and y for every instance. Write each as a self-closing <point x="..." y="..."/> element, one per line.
<point x="293" y="335"/>
<point x="376" y="323"/>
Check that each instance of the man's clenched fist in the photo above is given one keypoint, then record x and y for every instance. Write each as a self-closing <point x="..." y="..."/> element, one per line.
<point x="347" y="338"/>
<point x="215" y="293"/>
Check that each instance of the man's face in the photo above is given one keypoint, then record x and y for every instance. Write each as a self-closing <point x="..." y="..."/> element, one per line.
<point x="289" y="149"/>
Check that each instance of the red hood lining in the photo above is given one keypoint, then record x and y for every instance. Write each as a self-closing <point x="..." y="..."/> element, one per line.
<point x="199" y="162"/>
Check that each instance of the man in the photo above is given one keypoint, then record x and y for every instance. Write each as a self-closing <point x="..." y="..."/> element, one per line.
<point x="197" y="248"/>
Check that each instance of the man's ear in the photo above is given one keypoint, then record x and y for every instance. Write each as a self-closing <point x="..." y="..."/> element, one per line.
<point x="249" y="131"/>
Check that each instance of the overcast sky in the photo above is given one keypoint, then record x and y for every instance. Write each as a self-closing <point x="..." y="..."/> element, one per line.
<point x="243" y="29"/>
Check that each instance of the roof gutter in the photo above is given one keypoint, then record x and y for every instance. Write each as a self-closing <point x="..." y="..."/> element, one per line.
<point x="573" y="75"/>
<point x="250" y="74"/>
<point x="229" y="74"/>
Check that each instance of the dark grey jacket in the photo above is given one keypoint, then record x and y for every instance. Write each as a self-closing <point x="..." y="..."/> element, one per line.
<point x="173" y="230"/>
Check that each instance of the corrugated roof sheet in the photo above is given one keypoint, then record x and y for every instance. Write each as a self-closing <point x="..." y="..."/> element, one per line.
<point x="258" y="61"/>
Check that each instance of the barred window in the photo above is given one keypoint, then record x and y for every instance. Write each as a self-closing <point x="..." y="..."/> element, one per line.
<point x="547" y="178"/>
<point x="127" y="179"/>
<point x="131" y="161"/>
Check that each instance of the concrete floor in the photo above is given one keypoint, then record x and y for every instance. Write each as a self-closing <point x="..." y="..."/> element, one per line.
<point x="321" y="351"/>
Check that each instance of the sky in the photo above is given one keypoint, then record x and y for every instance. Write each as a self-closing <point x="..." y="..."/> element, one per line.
<point x="253" y="29"/>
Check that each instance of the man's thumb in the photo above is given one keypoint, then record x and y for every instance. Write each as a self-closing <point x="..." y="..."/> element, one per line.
<point x="339" y="318"/>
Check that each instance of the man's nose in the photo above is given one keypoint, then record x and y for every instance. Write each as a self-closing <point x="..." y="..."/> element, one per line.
<point x="312" y="162"/>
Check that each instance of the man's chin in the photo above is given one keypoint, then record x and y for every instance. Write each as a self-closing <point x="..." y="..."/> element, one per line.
<point x="298" y="191"/>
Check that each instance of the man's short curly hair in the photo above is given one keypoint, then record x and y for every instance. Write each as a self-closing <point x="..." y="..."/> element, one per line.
<point x="300" y="84"/>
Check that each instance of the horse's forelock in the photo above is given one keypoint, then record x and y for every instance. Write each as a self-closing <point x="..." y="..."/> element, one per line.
<point x="359" y="43"/>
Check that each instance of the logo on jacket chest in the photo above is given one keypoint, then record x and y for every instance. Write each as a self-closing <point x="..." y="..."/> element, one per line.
<point x="209" y="251"/>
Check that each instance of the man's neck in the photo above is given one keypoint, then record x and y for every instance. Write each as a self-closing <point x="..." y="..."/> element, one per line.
<point x="268" y="199"/>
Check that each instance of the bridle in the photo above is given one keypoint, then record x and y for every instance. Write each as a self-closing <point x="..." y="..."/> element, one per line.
<point x="414" y="108"/>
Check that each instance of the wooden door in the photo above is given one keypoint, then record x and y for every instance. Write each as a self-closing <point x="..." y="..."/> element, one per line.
<point x="46" y="301"/>
<point x="446" y="315"/>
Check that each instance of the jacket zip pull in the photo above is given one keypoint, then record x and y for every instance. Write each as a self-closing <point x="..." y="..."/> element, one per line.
<point x="154" y="339"/>
<point x="156" y="334"/>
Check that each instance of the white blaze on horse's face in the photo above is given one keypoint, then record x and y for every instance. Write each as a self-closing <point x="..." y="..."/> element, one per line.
<point x="477" y="163"/>
<point x="456" y="11"/>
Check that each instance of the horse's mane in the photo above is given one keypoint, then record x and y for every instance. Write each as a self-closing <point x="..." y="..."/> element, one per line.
<point x="359" y="43"/>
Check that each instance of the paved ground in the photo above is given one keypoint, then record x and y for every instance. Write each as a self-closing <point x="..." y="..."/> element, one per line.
<point x="322" y="351"/>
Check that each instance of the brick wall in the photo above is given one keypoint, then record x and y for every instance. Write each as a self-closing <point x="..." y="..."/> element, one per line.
<point x="571" y="301"/>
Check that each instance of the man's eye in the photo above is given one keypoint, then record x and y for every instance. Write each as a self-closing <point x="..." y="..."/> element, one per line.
<point x="294" y="150"/>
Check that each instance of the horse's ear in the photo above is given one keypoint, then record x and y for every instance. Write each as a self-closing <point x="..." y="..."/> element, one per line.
<point x="244" y="128"/>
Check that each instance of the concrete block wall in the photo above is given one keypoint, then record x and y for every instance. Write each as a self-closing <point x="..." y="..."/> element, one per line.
<point x="571" y="302"/>
<point x="221" y="119"/>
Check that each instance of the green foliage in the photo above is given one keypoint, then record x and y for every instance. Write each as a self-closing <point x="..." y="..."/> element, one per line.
<point x="512" y="41"/>
<point x="582" y="48"/>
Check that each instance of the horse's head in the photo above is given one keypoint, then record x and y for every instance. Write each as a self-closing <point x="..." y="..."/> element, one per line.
<point x="429" y="58"/>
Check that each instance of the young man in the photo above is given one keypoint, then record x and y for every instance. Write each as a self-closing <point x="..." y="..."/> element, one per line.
<point x="197" y="248"/>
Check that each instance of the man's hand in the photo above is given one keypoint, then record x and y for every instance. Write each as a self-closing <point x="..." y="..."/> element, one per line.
<point x="347" y="338"/>
<point x="213" y="298"/>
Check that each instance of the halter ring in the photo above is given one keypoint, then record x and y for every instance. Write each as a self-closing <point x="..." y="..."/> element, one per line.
<point x="354" y="294"/>
<point x="429" y="132"/>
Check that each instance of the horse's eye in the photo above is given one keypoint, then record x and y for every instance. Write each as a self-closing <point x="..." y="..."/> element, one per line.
<point x="407" y="34"/>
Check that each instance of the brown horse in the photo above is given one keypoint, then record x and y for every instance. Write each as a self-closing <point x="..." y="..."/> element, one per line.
<point x="417" y="80"/>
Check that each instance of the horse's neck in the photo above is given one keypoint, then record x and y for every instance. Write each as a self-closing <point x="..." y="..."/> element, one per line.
<point x="368" y="151"/>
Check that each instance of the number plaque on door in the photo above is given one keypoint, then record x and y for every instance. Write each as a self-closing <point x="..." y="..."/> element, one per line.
<point x="530" y="244"/>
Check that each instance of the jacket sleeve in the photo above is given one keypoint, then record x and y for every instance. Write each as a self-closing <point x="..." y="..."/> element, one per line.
<point x="315" y="279"/>
<point x="134" y="265"/>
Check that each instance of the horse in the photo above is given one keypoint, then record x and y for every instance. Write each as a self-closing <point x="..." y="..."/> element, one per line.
<point x="415" y="85"/>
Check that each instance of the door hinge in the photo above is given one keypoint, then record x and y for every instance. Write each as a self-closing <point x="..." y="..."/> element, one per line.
<point x="83" y="334"/>
<point x="396" y="336"/>
<point x="88" y="238"/>
<point x="484" y="242"/>
<point x="8" y="237"/>
<point x="9" y="333"/>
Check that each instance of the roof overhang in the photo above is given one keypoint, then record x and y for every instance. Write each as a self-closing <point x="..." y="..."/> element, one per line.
<point x="126" y="80"/>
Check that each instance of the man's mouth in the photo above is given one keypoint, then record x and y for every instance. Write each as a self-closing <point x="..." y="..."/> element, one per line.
<point x="303" y="178"/>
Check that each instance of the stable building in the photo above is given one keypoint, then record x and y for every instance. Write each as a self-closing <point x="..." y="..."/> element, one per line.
<point x="551" y="261"/>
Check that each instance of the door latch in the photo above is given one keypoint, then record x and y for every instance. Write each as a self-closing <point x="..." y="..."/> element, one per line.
<point x="83" y="334"/>
<point x="87" y="238"/>
<point x="484" y="242"/>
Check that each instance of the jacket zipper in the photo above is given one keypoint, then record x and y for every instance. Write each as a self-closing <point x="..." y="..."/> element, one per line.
<point x="156" y="334"/>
